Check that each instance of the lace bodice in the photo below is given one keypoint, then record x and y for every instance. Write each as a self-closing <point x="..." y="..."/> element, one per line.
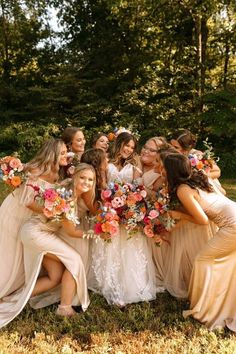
<point x="126" y="174"/>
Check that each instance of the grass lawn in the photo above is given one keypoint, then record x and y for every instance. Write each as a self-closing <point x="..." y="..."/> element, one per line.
<point x="155" y="327"/>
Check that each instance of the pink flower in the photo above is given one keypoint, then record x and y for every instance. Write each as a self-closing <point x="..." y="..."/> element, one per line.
<point x="148" y="231"/>
<point x="105" y="194"/>
<point x="48" y="204"/>
<point x="153" y="214"/>
<point x="50" y="194"/>
<point x="15" y="163"/>
<point x="117" y="202"/>
<point x="114" y="228"/>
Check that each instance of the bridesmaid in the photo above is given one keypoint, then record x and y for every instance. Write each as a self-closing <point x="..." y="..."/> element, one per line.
<point x="100" y="141"/>
<point x="85" y="194"/>
<point x="122" y="270"/>
<point x="149" y="161"/>
<point x="74" y="139"/>
<point x="98" y="159"/>
<point x="184" y="142"/>
<point x="41" y="246"/>
<point x="213" y="282"/>
<point x="153" y="181"/>
<point x="45" y="249"/>
<point x="14" y="211"/>
<point x="185" y="242"/>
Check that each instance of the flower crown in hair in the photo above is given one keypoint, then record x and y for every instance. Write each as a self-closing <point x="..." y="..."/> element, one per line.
<point x="113" y="135"/>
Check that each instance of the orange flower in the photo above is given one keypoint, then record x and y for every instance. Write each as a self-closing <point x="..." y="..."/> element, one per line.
<point x="111" y="136"/>
<point x="199" y="165"/>
<point x="16" y="181"/>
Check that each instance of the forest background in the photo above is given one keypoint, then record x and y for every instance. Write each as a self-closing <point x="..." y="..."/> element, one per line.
<point x="154" y="65"/>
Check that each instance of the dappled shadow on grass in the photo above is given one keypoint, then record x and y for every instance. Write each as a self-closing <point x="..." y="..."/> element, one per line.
<point x="146" y="322"/>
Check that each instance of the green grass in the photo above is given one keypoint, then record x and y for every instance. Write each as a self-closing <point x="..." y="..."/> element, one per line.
<point x="155" y="327"/>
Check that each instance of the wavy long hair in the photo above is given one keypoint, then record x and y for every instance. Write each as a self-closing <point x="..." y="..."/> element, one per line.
<point x="122" y="140"/>
<point x="179" y="171"/>
<point x="47" y="159"/>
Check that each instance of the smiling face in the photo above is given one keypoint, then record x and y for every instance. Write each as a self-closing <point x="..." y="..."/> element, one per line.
<point x="84" y="182"/>
<point x="149" y="153"/>
<point x="102" y="143"/>
<point x="78" y="142"/>
<point x="63" y="156"/>
<point x="127" y="149"/>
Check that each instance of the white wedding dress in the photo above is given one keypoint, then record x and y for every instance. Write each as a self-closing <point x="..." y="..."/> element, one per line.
<point x="122" y="270"/>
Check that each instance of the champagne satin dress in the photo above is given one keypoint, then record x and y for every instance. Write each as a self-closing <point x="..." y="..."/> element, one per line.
<point x="213" y="282"/>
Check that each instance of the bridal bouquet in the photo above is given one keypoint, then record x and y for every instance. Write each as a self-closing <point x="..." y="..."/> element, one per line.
<point x="11" y="171"/>
<point x="107" y="222"/>
<point x="203" y="160"/>
<point x="128" y="201"/>
<point x="57" y="203"/>
<point x="157" y="221"/>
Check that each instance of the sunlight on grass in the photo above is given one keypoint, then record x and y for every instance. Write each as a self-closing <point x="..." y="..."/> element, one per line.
<point x="152" y="328"/>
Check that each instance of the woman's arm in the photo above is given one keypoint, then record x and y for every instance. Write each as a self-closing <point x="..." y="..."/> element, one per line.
<point x="214" y="172"/>
<point x="71" y="229"/>
<point x="189" y="199"/>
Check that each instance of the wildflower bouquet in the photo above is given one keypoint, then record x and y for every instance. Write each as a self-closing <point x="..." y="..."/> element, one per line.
<point x="11" y="171"/>
<point x="203" y="160"/>
<point x="57" y="203"/>
<point x="128" y="201"/>
<point x="157" y="221"/>
<point x="107" y="222"/>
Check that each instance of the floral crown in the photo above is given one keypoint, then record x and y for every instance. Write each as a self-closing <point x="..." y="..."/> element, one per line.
<point x="113" y="135"/>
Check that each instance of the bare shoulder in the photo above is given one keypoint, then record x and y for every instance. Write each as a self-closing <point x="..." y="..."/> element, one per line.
<point x="185" y="191"/>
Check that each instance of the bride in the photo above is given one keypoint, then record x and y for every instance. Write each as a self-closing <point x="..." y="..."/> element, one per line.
<point x="122" y="270"/>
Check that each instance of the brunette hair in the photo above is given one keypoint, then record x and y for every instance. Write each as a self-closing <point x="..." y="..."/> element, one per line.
<point x="95" y="138"/>
<point x="68" y="135"/>
<point x="121" y="140"/>
<point x="47" y="159"/>
<point x="185" y="139"/>
<point x="179" y="171"/>
<point x="95" y="157"/>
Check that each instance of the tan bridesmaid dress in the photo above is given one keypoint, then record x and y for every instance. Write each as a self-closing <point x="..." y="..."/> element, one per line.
<point x="213" y="280"/>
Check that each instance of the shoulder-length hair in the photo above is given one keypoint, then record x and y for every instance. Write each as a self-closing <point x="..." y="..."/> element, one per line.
<point x="179" y="171"/>
<point x="122" y="140"/>
<point x="47" y="159"/>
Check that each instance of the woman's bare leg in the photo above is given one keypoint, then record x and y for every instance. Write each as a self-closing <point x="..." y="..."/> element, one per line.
<point x="54" y="275"/>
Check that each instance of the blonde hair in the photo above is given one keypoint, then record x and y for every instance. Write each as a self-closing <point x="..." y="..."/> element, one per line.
<point x="47" y="158"/>
<point x="80" y="168"/>
<point x="159" y="141"/>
